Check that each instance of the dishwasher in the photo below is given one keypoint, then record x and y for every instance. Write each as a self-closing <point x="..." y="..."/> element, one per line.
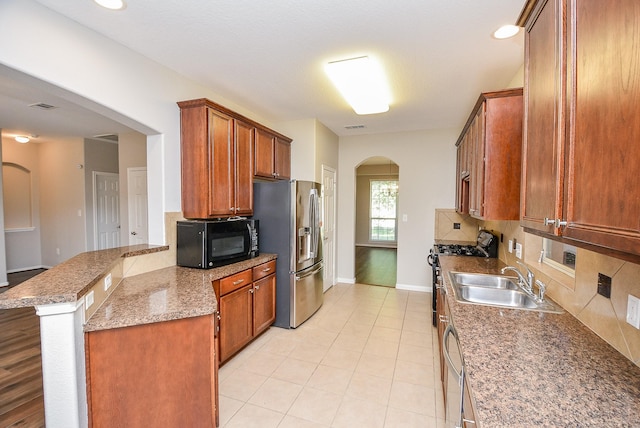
<point x="454" y="412"/>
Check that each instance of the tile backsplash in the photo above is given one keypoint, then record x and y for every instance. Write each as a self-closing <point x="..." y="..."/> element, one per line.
<point x="578" y="296"/>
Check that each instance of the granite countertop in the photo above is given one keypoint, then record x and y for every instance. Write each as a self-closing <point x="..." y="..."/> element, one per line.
<point x="529" y="369"/>
<point x="164" y="295"/>
<point x="70" y="280"/>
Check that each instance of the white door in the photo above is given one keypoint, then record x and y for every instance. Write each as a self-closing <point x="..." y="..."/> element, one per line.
<point x="106" y="210"/>
<point x="329" y="225"/>
<point x="137" y="198"/>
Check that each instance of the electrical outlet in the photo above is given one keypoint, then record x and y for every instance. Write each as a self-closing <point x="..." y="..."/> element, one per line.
<point x="633" y="311"/>
<point x="510" y="246"/>
<point x="107" y="282"/>
<point x="88" y="300"/>
<point x="519" y="251"/>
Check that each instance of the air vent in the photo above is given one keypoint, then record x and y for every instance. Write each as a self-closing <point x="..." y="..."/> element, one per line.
<point x="354" y="127"/>
<point x="108" y="137"/>
<point x="43" y="106"/>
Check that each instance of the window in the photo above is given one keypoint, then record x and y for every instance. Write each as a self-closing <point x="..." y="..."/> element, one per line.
<point x="383" y="211"/>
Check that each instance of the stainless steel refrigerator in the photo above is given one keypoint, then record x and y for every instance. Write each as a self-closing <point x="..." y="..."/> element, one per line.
<point x="290" y="226"/>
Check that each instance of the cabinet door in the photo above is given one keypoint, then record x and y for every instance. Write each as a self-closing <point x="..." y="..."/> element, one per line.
<point x="441" y="312"/>
<point x="603" y="198"/>
<point x="543" y="153"/>
<point x="236" y="326"/>
<point x="282" y="161"/>
<point x="244" y="135"/>
<point x="221" y="165"/>
<point x="264" y="304"/>
<point x="477" y="139"/>
<point x="264" y="163"/>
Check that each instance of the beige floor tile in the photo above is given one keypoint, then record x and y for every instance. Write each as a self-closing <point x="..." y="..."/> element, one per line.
<point x="275" y="394"/>
<point x="354" y="412"/>
<point x="419" y="325"/>
<point x="369" y="387"/>
<point x="250" y="416"/>
<point x="355" y="328"/>
<point x="414" y="398"/>
<point x="350" y="342"/>
<point x="415" y="354"/>
<point x="295" y="371"/>
<point x="280" y="345"/>
<point x="262" y="363"/>
<point x="293" y="422"/>
<point x="397" y="418"/>
<point x="241" y="385"/>
<point x="330" y="379"/>
<point x="416" y="339"/>
<point x="308" y="351"/>
<point x="389" y="322"/>
<point x="418" y="374"/>
<point x="316" y="406"/>
<point x="228" y="408"/>
<point x="377" y="366"/>
<point x="361" y="317"/>
<point x="385" y="333"/>
<point x="381" y="348"/>
<point x="341" y="358"/>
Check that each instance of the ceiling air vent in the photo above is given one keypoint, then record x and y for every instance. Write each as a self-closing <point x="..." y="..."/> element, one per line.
<point x="354" y="127"/>
<point x="43" y="106"/>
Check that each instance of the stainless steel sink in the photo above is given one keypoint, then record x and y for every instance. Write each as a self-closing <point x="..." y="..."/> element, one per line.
<point x="496" y="290"/>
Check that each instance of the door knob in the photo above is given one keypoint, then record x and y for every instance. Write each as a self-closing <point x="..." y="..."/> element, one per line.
<point x="134" y="233"/>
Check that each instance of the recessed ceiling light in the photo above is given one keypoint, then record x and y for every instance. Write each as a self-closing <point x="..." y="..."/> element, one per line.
<point x="362" y="83"/>
<point x="111" y="4"/>
<point x="22" y="139"/>
<point x="506" y="31"/>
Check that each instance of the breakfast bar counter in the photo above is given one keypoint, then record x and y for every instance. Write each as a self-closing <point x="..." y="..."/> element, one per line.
<point x="528" y="368"/>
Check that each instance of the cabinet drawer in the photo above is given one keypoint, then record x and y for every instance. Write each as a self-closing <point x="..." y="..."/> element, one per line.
<point x="264" y="269"/>
<point x="233" y="282"/>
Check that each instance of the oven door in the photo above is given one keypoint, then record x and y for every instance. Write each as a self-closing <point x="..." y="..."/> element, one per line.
<point x="455" y="378"/>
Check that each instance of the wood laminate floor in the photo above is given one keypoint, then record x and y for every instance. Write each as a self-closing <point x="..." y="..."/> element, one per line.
<point x="21" y="396"/>
<point x="376" y="266"/>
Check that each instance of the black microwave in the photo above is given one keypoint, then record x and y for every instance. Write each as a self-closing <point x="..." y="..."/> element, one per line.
<point x="207" y="244"/>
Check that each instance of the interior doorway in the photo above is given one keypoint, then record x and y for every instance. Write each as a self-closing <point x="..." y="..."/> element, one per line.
<point x="377" y="199"/>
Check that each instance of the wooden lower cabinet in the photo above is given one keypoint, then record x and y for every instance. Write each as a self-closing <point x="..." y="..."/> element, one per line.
<point x="154" y="375"/>
<point x="246" y="307"/>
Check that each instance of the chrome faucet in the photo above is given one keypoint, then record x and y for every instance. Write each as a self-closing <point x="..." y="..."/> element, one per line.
<point x="527" y="283"/>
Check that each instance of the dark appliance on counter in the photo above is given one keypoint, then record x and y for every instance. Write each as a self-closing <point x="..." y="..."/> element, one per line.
<point x="486" y="246"/>
<point x="206" y="244"/>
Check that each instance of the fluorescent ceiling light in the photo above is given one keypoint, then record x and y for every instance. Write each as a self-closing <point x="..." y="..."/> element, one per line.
<point x="111" y="4"/>
<point x="362" y="83"/>
<point x="22" y="139"/>
<point x="506" y="31"/>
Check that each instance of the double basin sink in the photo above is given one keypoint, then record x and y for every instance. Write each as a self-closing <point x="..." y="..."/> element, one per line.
<point x="497" y="290"/>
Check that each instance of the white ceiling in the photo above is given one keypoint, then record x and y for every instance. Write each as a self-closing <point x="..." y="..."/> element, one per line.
<point x="268" y="56"/>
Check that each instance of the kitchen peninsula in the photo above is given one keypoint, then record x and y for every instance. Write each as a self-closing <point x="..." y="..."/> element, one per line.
<point x="138" y="324"/>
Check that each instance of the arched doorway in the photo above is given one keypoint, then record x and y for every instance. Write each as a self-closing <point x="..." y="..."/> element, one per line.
<point x="377" y="184"/>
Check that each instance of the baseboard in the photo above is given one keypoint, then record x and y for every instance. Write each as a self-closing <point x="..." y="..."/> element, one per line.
<point x="22" y="269"/>
<point x="377" y="246"/>
<point x="410" y="287"/>
<point x="347" y="280"/>
<point x="3" y="284"/>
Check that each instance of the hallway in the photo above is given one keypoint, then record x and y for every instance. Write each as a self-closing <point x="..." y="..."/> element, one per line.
<point x="376" y="266"/>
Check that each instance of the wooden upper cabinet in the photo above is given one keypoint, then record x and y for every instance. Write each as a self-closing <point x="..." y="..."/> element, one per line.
<point x="543" y="145"/>
<point x="596" y="124"/>
<point x="218" y="150"/>
<point x="489" y="157"/>
<point x="273" y="156"/>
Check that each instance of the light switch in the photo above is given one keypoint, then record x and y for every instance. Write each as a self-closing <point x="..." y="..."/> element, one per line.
<point x="633" y="311"/>
<point x="510" y="247"/>
<point x="519" y="250"/>
<point x="107" y="282"/>
<point x="405" y="217"/>
<point x="88" y="300"/>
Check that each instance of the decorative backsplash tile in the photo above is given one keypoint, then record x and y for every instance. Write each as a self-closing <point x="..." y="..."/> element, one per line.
<point x="447" y="223"/>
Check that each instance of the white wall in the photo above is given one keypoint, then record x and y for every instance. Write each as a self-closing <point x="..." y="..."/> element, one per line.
<point x="3" y="253"/>
<point x="302" y="148"/>
<point x="23" y="247"/>
<point x="427" y="162"/>
<point x="132" y="153"/>
<point x="96" y="72"/>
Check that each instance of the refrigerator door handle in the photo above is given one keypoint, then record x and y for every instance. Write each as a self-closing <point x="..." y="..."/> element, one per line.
<point x="313" y="272"/>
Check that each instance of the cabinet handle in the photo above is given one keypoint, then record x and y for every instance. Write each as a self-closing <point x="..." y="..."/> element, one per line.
<point x="444" y="319"/>
<point x="266" y="270"/>
<point x="548" y="221"/>
<point x="251" y="290"/>
<point x="240" y="281"/>
<point x="559" y="223"/>
<point x="257" y="287"/>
